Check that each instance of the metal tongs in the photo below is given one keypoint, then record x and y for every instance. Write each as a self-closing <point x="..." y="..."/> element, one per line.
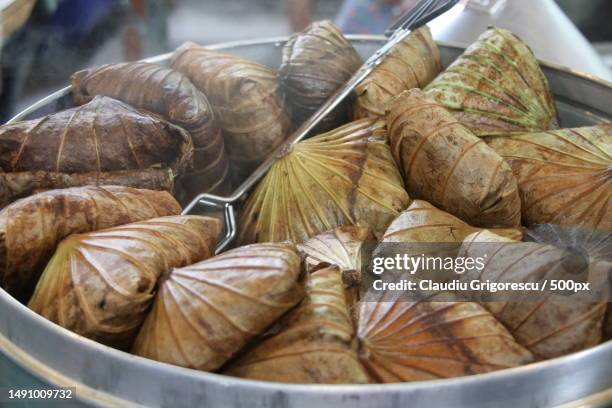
<point x="421" y="14"/>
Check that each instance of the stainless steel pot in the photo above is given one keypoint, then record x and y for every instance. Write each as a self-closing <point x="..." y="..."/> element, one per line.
<point x="36" y="353"/>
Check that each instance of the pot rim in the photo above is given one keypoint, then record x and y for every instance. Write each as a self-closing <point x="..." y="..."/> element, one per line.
<point x="278" y="40"/>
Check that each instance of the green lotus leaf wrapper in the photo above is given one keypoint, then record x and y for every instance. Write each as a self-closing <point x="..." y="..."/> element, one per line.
<point x="497" y="87"/>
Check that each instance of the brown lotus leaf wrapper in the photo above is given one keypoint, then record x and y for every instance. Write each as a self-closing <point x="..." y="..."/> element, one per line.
<point x="101" y="136"/>
<point x="564" y="176"/>
<point x="423" y="229"/>
<point x="412" y="63"/>
<point x="314" y="344"/>
<point x="415" y="341"/>
<point x="31" y="228"/>
<point x="496" y="87"/>
<point x="155" y="88"/>
<point x="24" y="183"/>
<point x="597" y="244"/>
<point x="343" y="177"/>
<point x="101" y="284"/>
<point x="246" y="99"/>
<point x="316" y="62"/>
<point x="342" y="247"/>
<point x="170" y="94"/>
<point x="445" y="164"/>
<point x="422" y="222"/>
<point x="551" y="325"/>
<point x="204" y="313"/>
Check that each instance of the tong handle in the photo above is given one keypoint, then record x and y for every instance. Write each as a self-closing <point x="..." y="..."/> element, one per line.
<point x="404" y="21"/>
<point x="228" y="215"/>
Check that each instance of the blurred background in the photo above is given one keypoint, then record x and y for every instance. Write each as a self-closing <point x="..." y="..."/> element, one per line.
<point x="44" y="41"/>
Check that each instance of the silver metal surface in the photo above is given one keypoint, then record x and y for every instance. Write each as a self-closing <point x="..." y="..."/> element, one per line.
<point x="34" y="350"/>
<point x="605" y="50"/>
<point x="486" y="6"/>
<point x="224" y="211"/>
<point x="600" y="400"/>
<point x="540" y="23"/>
